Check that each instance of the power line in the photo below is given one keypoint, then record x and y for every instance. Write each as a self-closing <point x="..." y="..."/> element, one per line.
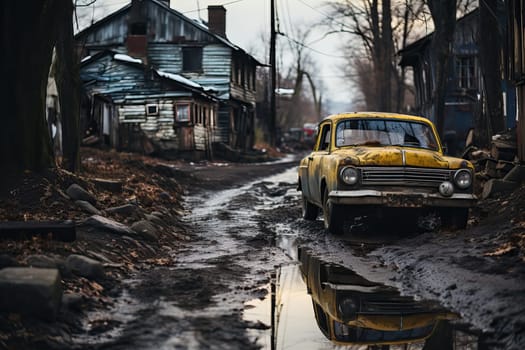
<point x="308" y="47"/>
<point x="225" y="4"/>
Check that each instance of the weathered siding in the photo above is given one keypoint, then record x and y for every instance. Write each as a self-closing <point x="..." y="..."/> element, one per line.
<point x="222" y="132"/>
<point x="164" y="27"/>
<point x="200" y="137"/>
<point x="166" y="57"/>
<point x="216" y="62"/>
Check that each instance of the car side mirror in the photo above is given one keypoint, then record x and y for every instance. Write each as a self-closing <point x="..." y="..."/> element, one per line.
<point x="445" y="149"/>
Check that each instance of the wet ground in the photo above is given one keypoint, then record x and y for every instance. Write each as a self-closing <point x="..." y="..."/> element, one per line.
<point x="252" y="272"/>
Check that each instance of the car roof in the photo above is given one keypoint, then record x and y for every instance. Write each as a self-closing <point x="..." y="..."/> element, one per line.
<point x="337" y="117"/>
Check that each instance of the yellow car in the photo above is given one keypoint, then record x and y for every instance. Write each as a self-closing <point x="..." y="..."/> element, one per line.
<point x="367" y="163"/>
<point x="351" y="310"/>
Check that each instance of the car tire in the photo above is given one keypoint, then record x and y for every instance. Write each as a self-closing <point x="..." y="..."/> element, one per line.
<point x="309" y="210"/>
<point x="454" y="218"/>
<point x="333" y="221"/>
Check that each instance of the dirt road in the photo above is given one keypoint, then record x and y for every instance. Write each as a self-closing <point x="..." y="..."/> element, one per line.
<point x="241" y="277"/>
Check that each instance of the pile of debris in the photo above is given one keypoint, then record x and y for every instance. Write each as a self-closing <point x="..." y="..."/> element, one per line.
<point x="498" y="170"/>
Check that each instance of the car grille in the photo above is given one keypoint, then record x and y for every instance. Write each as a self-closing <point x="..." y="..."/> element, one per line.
<point x="404" y="176"/>
<point x="391" y="306"/>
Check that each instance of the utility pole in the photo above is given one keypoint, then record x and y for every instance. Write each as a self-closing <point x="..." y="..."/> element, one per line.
<point x="273" y="111"/>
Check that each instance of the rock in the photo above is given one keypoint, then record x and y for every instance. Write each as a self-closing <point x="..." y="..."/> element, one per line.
<point x="72" y="301"/>
<point x="30" y="291"/>
<point x="78" y="193"/>
<point x="126" y="209"/>
<point x="155" y="219"/>
<point x="7" y="261"/>
<point x="87" y="207"/>
<point x="41" y="261"/>
<point x="85" y="267"/>
<point x="108" y="185"/>
<point x="165" y="196"/>
<point x="516" y="174"/>
<point x="496" y="186"/>
<point x="146" y="230"/>
<point x="106" y="224"/>
<point x="44" y="261"/>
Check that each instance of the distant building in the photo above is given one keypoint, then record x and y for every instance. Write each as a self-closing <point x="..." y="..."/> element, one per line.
<point x="156" y="80"/>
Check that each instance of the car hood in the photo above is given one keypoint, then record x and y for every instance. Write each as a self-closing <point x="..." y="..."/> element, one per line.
<point x="397" y="156"/>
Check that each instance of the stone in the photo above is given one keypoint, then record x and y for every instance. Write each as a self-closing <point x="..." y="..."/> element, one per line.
<point x="114" y="186"/>
<point x="155" y="219"/>
<point x="31" y="291"/>
<point x="76" y="192"/>
<point x="497" y="186"/>
<point x="146" y="230"/>
<point x="106" y="224"/>
<point x="87" y="207"/>
<point x="73" y="301"/>
<point x="165" y="196"/>
<point x="42" y="261"/>
<point x="85" y="267"/>
<point x="7" y="261"/>
<point x="516" y="174"/>
<point x="126" y="209"/>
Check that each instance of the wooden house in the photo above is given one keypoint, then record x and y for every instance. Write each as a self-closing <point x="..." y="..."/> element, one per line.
<point x="465" y="98"/>
<point x="174" y="63"/>
<point x="130" y="106"/>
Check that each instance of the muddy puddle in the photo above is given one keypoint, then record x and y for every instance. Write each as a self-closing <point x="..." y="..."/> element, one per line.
<point x="317" y="305"/>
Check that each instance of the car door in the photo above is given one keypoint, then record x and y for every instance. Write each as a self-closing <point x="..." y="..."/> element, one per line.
<point x="322" y="148"/>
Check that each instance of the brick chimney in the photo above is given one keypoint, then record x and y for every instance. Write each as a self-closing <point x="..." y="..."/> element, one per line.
<point x="217" y="19"/>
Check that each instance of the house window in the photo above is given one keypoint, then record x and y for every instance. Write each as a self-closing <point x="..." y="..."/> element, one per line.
<point x="152" y="109"/>
<point x="466" y="72"/>
<point x="182" y="112"/>
<point x="192" y="59"/>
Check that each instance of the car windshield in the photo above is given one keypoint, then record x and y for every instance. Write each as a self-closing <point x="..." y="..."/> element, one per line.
<point x="385" y="132"/>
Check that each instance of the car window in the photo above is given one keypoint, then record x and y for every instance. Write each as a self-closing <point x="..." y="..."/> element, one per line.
<point x="385" y="132"/>
<point x="324" y="138"/>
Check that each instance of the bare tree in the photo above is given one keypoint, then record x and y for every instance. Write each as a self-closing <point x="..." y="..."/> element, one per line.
<point x="444" y="18"/>
<point x="490" y="41"/>
<point x="68" y="83"/>
<point x="29" y="30"/>
<point x="301" y="68"/>
<point x="381" y="29"/>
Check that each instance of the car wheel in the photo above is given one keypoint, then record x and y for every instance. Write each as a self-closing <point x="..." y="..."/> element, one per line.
<point x="454" y="218"/>
<point x="333" y="221"/>
<point x="309" y="210"/>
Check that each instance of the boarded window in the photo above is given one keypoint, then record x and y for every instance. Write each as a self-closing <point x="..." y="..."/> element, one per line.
<point x="192" y="59"/>
<point x="182" y="112"/>
<point x="138" y="28"/>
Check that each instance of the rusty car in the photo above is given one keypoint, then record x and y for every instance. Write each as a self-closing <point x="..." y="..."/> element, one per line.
<point x="370" y="163"/>
<point x="351" y="310"/>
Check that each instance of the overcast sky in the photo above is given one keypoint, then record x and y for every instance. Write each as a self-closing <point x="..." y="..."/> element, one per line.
<point x="247" y="20"/>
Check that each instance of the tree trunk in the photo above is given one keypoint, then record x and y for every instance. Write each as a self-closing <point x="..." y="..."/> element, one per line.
<point x="489" y="54"/>
<point x="444" y="17"/>
<point x="68" y="85"/>
<point x="28" y="36"/>
<point x="388" y="55"/>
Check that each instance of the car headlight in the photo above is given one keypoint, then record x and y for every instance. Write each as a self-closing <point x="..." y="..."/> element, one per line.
<point x="463" y="178"/>
<point x="349" y="175"/>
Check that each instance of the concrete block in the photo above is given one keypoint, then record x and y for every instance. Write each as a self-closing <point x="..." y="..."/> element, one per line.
<point x="30" y="291"/>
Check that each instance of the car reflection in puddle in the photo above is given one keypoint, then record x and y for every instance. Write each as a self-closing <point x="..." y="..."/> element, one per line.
<point x="353" y="312"/>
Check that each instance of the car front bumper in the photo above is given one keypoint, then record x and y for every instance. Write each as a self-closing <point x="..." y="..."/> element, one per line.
<point x="401" y="199"/>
